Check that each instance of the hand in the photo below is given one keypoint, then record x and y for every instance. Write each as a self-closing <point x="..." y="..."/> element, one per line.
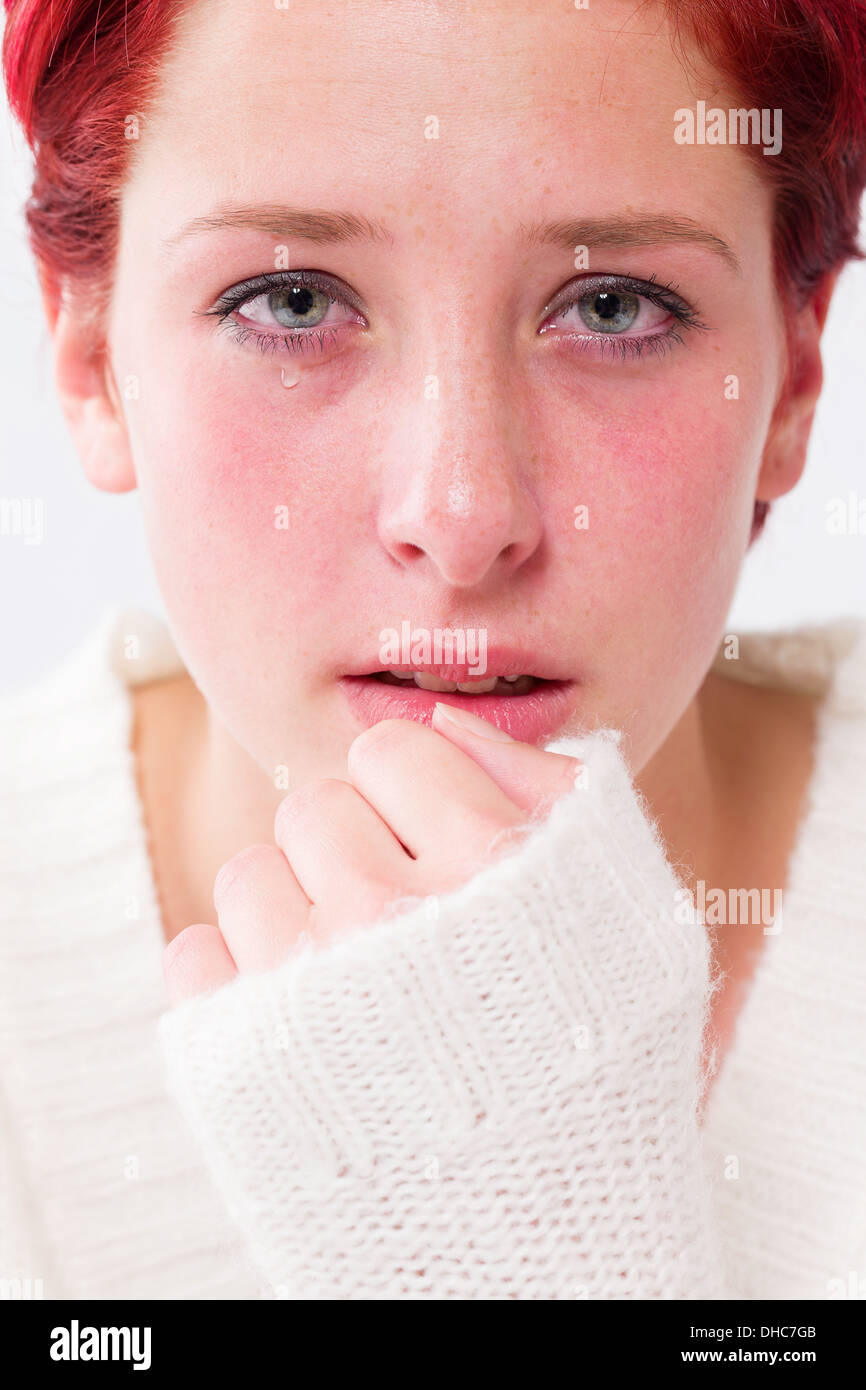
<point x="422" y="810"/>
<point x="502" y="1097"/>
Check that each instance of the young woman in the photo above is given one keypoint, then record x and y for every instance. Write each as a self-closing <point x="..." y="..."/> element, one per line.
<point x="512" y="908"/>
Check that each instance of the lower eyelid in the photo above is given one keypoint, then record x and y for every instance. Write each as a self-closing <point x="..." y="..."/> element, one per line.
<point x="292" y="340"/>
<point x="597" y="336"/>
<point x="624" y="345"/>
<point x="589" y="335"/>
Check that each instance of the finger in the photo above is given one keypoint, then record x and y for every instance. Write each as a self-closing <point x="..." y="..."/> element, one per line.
<point x="196" y="961"/>
<point x="261" y="907"/>
<point x="435" y="799"/>
<point x="530" y="777"/>
<point x="347" y="860"/>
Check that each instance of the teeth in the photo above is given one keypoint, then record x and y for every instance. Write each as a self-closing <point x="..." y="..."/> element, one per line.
<point x="426" y="681"/>
<point x="477" y="687"/>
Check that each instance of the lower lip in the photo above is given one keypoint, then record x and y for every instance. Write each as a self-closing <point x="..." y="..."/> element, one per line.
<point x="531" y="718"/>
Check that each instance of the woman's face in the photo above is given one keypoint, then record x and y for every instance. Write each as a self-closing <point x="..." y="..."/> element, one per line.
<point x="459" y="444"/>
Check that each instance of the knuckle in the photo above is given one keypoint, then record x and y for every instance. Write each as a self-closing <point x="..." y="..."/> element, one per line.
<point x="387" y="731"/>
<point x="310" y="800"/>
<point x="240" y="868"/>
<point x="190" y="936"/>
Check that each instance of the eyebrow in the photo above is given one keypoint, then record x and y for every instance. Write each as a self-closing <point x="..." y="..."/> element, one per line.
<point x="297" y="223"/>
<point x="328" y="227"/>
<point x="627" y="231"/>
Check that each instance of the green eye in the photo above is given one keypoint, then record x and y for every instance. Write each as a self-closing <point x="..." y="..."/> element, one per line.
<point x="609" y="311"/>
<point x="298" y="306"/>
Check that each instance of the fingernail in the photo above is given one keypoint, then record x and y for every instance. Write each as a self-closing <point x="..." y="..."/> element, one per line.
<point x="472" y="723"/>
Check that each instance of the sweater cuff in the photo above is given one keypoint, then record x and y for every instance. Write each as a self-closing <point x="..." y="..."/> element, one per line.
<point x="457" y="1011"/>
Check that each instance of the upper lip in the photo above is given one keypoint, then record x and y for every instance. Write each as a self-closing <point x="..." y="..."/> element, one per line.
<point x="501" y="660"/>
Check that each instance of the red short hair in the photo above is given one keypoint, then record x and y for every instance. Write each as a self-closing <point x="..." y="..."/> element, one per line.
<point x="75" y="71"/>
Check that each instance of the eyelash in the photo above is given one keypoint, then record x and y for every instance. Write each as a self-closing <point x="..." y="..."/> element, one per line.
<point x="296" y="341"/>
<point x="293" y="340"/>
<point x="619" y="345"/>
<point x="622" y="345"/>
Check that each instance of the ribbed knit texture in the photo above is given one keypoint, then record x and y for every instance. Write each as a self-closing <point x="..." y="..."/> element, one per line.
<point x="786" y="1132"/>
<point x="497" y="1102"/>
<point x="103" y="1192"/>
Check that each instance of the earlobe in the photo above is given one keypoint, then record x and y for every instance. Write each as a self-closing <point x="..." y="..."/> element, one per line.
<point x="788" y="436"/>
<point x="104" y="446"/>
<point x="785" y="451"/>
<point x="90" y="403"/>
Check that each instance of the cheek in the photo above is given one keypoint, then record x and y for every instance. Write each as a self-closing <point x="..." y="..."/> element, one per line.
<point x="680" y="492"/>
<point x="250" y="502"/>
<point x="668" y="481"/>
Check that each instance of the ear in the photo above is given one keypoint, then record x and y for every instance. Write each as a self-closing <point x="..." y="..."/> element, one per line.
<point x="88" y="394"/>
<point x="784" y="455"/>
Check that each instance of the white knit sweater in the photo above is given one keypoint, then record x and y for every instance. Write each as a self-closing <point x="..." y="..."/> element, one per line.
<point x="494" y="1095"/>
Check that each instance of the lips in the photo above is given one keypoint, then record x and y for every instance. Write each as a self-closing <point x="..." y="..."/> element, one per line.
<point x="533" y="717"/>
<point x="531" y="709"/>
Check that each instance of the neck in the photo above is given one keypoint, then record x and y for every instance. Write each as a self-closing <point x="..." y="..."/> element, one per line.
<point x="686" y="788"/>
<point x="725" y="788"/>
<point x="205" y="799"/>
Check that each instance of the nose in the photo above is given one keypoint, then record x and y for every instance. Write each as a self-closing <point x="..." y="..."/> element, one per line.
<point x="456" y="493"/>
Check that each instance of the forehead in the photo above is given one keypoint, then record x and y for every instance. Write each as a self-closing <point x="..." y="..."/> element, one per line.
<point x="439" y="111"/>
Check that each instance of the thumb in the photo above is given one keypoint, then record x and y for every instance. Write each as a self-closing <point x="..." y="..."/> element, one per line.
<point x="531" y="777"/>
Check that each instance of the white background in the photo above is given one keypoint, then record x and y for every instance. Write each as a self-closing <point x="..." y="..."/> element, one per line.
<point x="94" y="553"/>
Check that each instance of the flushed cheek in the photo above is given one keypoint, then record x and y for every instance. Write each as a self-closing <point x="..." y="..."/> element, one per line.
<point x="667" y="476"/>
<point x="249" y="507"/>
<point x="668" y="490"/>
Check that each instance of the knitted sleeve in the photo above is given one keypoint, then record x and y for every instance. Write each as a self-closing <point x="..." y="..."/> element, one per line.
<point x="491" y="1095"/>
